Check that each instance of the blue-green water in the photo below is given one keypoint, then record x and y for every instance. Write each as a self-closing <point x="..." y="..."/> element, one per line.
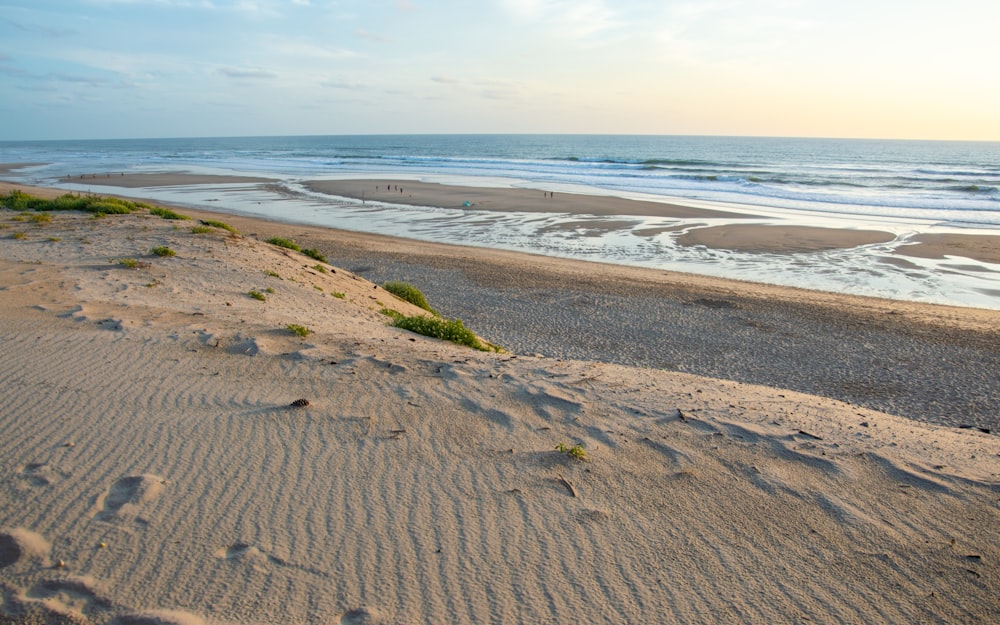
<point x="905" y="187"/>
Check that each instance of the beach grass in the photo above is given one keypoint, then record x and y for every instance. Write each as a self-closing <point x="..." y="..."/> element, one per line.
<point x="435" y="327"/>
<point x="166" y="213"/>
<point x="409" y="293"/>
<point x="257" y="295"/>
<point x="298" y="330"/>
<point x="21" y="201"/>
<point x="314" y="254"/>
<point x="162" y="250"/>
<point x="285" y="243"/>
<point x="214" y="223"/>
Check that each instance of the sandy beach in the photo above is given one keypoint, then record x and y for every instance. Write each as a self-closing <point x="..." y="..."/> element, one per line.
<point x="156" y="471"/>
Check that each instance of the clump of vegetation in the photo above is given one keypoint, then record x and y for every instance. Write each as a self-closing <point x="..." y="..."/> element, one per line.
<point x="41" y="218"/>
<point x="162" y="250"/>
<point x="131" y="263"/>
<point x="338" y="294"/>
<point x="273" y="274"/>
<point x="576" y="452"/>
<point x="54" y="239"/>
<point x="446" y="329"/>
<point x="19" y="235"/>
<point x="409" y="293"/>
<point x="320" y="268"/>
<point x="257" y="295"/>
<point x="166" y="213"/>
<point x="201" y="230"/>
<point x="298" y="330"/>
<point x="212" y="223"/>
<point x="269" y="290"/>
<point x="315" y="254"/>
<point x="21" y="201"/>
<point x="280" y="242"/>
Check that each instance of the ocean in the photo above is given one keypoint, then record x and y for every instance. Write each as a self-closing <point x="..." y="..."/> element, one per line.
<point x="904" y="187"/>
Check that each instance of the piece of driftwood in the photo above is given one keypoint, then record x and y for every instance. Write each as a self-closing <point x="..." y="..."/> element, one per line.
<point x="569" y="487"/>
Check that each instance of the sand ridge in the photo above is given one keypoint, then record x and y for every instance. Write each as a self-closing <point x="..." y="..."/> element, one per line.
<point x="156" y="472"/>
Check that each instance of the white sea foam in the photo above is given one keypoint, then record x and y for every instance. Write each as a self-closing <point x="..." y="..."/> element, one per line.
<point x="900" y="187"/>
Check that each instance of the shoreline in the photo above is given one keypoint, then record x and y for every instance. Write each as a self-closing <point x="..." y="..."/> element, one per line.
<point x="753" y="238"/>
<point x="176" y="455"/>
<point x="717" y="327"/>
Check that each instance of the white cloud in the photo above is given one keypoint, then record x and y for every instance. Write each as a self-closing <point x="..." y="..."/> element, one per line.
<point x="237" y="72"/>
<point x="364" y="34"/>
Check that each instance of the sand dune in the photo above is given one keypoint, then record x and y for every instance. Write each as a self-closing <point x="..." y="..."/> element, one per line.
<point x="156" y="471"/>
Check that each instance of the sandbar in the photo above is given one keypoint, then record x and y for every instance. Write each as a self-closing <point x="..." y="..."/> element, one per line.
<point x="982" y="247"/>
<point x="166" y="179"/>
<point x="413" y="193"/>
<point x="778" y="239"/>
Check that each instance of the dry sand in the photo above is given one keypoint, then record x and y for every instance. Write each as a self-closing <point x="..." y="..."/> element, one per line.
<point x="155" y="472"/>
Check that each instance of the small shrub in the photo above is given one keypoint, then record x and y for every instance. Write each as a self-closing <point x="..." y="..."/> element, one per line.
<point x="280" y="242"/>
<point x="409" y="293"/>
<point x="166" y="213"/>
<point x="269" y="290"/>
<point x="162" y="250"/>
<point x="446" y="329"/>
<point x="19" y="235"/>
<point x="576" y="452"/>
<point x="297" y="330"/>
<point x="41" y="218"/>
<point x="320" y="268"/>
<point x="131" y="263"/>
<point x="18" y="200"/>
<point x="273" y="274"/>
<point x="54" y="239"/>
<point x="257" y="295"/>
<point x="201" y="230"/>
<point x="218" y="224"/>
<point x="108" y="206"/>
<point x="19" y="218"/>
<point x="338" y="294"/>
<point x="315" y="253"/>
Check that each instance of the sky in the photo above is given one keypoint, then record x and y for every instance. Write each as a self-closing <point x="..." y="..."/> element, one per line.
<point x="92" y="69"/>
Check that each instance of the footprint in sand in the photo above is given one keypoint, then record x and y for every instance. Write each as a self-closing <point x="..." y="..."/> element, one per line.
<point x="364" y="616"/>
<point x="126" y="494"/>
<point x="259" y="560"/>
<point x="244" y="553"/>
<point x="22" y="545"/>
<point x="72" y="596"/>
<point x="38" y="475"/>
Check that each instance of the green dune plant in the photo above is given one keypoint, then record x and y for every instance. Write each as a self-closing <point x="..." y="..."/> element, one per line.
<point x="409" y="293"/>
<point x="166" y="213"/>
<point x="577" y="452"/>
<point x="162" y="250"/>
<point x="212" y="223"/>
<point x="285" y="243"/>
<point x="21" y="201"/>
<point x="435" y="327"/>
<point x="314" y="254"/>
<point x="298" y="330"/>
